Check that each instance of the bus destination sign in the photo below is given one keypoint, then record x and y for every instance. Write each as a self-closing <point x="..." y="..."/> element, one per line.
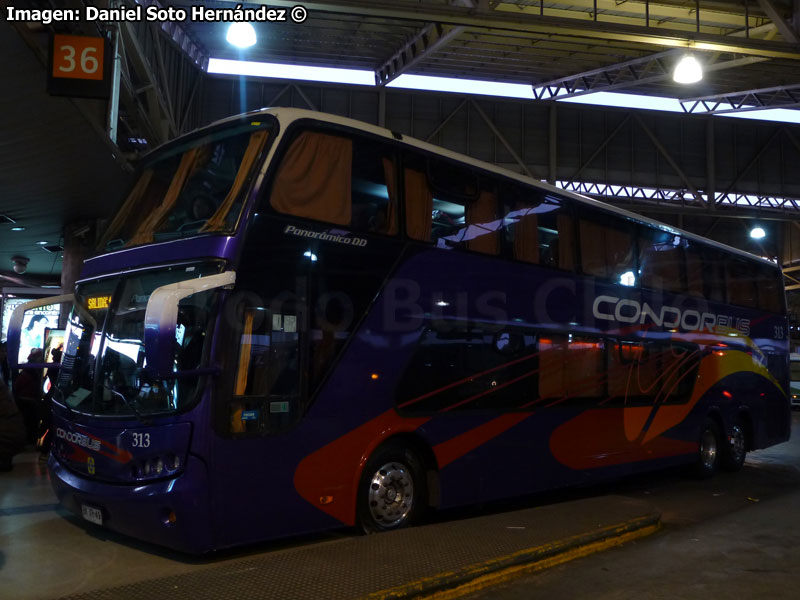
<point x="98" y="302"/>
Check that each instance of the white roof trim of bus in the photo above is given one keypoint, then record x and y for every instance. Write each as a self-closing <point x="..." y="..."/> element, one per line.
<point x="287" y="115"/>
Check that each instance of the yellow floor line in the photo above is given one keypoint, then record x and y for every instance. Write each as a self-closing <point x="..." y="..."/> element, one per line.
<point x="493" y="579"/>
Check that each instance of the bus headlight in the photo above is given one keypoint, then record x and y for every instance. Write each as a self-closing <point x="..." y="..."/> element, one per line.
<point x="156" y="466"/>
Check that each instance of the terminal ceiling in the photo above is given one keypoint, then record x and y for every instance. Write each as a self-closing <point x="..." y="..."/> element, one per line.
<point x="557" y="47"/>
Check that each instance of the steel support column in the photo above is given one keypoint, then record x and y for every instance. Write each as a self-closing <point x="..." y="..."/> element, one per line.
<point x="711" y="170"/>
<point x="382" y="107"/>
<point x="552" y="137"/>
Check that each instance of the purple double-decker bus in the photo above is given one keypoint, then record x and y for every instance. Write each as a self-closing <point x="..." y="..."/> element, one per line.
<point x="299" y="322"/>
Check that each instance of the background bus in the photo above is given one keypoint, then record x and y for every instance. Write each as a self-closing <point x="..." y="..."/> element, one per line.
<point x="299" y="322"/>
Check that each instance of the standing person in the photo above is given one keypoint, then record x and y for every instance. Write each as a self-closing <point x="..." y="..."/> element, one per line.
<point x="5" y="372"/>
<point x="12" y="428"/>
<point x="27" y="393"/>
<point x="45" y="415"/>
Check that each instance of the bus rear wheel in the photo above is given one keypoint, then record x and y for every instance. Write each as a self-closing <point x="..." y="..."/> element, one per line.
<point x="392" y="491"/>
<point x="734" y="451"/>
<point x="708" y="451"/>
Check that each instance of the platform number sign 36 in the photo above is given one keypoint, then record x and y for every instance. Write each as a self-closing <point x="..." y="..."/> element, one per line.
<point x="78" y="66"/>
<point x="78" y="57"/>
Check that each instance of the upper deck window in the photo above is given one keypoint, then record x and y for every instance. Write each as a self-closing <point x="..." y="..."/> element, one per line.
<point x="607" y="249"/>
<point x="661" y="260"/>
<point x="451" y="206"/>
<point x="338" y="180"/>
<point x="538" y="228"/>
<point x="196" y="187"/>
<point x="742" y="283"/>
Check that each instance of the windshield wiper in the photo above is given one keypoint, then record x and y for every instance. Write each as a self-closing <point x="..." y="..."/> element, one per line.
<point x="132" y="405"/>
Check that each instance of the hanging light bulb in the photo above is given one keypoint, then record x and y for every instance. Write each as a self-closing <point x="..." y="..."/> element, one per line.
<point x="688" y="70"/>
<point x="758" y="233"/>
<point x="241" y="35"/>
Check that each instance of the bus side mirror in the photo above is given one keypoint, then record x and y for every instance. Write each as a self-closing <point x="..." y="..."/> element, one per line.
<point x="161" y="319"/>
<point x="15" y="330"/>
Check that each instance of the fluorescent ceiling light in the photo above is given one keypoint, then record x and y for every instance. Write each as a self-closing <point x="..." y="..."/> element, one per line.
<point x="688" y="70"/>
<point x="463" y="86"/>
<point x="241" y="35"/>
<point x="782" y="115"/>
<point x="627" y="101"/>
<point x="281" y="71"/>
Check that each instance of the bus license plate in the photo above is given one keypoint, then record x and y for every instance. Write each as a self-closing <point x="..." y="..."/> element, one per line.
<point x="94" y="515"/>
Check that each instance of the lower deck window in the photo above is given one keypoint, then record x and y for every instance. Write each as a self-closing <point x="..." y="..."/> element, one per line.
<point x="475" y="369"/>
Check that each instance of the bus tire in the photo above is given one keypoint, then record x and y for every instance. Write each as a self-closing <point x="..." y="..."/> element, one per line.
<point x="734" y="448"/>
<point x="708" y="452"/>
<point x="392" y="490"/>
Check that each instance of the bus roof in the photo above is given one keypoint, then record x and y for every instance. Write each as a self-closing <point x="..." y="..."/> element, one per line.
<point x="287" y="115"/>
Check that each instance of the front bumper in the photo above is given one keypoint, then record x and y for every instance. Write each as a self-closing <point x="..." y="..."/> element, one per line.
<point x="143" y="511"/>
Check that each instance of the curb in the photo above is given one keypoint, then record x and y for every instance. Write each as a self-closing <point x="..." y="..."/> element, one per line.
<point x="479" y="576"/>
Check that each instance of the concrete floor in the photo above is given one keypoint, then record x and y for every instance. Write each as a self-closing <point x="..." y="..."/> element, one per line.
<point x="736" y="536"/>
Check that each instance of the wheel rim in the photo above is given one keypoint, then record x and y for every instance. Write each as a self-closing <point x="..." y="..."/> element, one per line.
<point x="391" y="494"/>
<point x="737" y="444"/>
<point x="708" y="449"/>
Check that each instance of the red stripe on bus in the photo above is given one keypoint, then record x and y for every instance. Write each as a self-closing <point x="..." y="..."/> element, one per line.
<point x="596" y="438"/>
<point x="456" y="447"/>
<point x="333" y="471"/>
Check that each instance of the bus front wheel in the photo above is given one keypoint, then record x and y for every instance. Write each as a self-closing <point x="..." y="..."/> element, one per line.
<point x="708" y="454"/>
<point x="392" y="490"/>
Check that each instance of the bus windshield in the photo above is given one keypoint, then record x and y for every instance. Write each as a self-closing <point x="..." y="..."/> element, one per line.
<point x="195" y="187"/>
<point x="104" y="367"/>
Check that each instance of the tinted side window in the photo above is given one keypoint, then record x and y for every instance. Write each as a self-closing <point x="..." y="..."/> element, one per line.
<point x="714" y="274"/>
<point x="451" y="206"/>
<point x="538" y="228"/>
<point x="648" y="373"/>
<point x="695" y="279"/>
<point x="267" y="376"/>
<point x="338" y="180"/>
<point x="469" y="370"/>
<point x="374" y="192"/>
<point x="661" y="260"/>
<point x="571" y="367"/>
<point x="770" y="289"/>
<point x="607" y="249"/>
<point x="742" y="282"/>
